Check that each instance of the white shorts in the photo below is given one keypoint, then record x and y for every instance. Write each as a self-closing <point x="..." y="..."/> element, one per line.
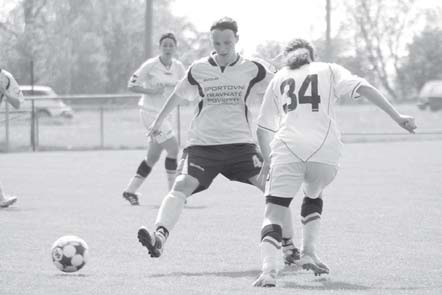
<point x="166" y="130"/>
<point x="285" y="180"/>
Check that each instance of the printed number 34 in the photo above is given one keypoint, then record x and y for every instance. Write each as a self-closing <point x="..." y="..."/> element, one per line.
<point x="314" y="99"/>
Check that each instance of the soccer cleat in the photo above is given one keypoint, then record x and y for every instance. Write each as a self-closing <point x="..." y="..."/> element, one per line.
<point x="8" y="201"/>
<point x="266" y="280"/>
<point x="132" y="198"/>
<point x="313" y="263"/>
<point x="291" y="254"/>
<point x="153" y="243"/>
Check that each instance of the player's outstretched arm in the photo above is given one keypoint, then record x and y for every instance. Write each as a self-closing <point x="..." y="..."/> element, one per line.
<point x="373" y="95"/>
<point x="172" y="102"/>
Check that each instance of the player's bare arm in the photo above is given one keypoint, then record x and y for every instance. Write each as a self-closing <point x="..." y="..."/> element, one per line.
<point x="264" y="138"/>
<point x="171" y="103"/>
<point x="373" y="95"/>
<point x="158" y="89"/>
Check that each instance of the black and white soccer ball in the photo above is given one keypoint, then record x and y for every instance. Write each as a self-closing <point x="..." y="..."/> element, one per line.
<point x="69" y="253"/>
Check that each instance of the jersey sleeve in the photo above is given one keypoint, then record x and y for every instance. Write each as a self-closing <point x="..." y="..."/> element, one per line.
<point x="139" y="77"/>
<point x="188" y="87"/>
<point x="12" y="87"/>
<point x="271" y="110"/>
<point x="263" y="78"/>
<point x="345" y="83"/>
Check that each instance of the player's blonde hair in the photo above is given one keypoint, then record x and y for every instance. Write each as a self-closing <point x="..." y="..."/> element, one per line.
<point x="298" y="52"/>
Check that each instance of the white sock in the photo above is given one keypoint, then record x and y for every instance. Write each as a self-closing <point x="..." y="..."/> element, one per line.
<point x="271" y="255"/>
<point x="135" y="183"/>
<point x="171" y="174"/>
<point x="310" y="235"/>
<point x="170" y="210"/>
<point x="287" y="225"/>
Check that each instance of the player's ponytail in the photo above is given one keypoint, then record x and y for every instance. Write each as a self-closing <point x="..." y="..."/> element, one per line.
<point x="297" y="53"/>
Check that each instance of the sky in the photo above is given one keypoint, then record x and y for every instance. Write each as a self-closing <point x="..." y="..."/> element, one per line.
<point x="279" y="20"/>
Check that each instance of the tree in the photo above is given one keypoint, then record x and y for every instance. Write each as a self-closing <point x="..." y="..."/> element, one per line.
<point x="381" y="27"/>
<point x="424" y="61"/>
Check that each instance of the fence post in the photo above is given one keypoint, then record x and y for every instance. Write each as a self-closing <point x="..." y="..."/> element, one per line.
<point x="6" y="127"/>
<point x="101" y="126"/>
<point x="33" y="125"/>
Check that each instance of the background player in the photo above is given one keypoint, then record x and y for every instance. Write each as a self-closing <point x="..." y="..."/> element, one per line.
<point x="10" y="91"/>
<point x="155" y="79"/>
<point x="297" y="116"/>
<point x="220" y="140"/>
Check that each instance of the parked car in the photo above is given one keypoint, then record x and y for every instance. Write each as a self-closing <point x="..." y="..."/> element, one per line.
<point x="430" y="96"/>
<point x="47" y="107"/>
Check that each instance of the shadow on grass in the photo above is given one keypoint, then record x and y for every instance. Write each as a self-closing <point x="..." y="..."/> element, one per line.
<point x="186" y="207"/>
<point x="325" y="284"/>
<point x="73" y="275"/>
<point x="230" y="274"/>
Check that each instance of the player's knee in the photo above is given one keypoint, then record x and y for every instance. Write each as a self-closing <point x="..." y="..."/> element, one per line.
<point x="285" y="202"/>
<point x="185" y="184"/>
<point x="152" y="158"/>
<point x="311" y="209"/>
<point x="171" y="163"/>
<point x="271" y="232"/>
<point x="144" y="169"/>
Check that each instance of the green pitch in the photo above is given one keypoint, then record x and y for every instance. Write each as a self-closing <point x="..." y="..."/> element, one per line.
<point x="381" y="229"/>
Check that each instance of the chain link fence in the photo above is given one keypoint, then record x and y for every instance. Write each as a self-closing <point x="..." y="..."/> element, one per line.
<point x="112" y="122"/>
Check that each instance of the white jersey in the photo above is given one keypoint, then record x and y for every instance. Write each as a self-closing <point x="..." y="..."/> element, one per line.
<point x="299" y="107"/>
<point x="10" y="85"/>
<point x="222" y="115"/>
<point x="153" y="73"/>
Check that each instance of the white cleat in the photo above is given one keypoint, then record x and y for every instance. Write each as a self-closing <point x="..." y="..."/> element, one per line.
<point x="313" y="263"/>
<point x="266" y="280"/>
<point x="8" y="201"/>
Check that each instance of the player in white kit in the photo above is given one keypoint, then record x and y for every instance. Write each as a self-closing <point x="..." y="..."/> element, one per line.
<point x="301" y="146"/>
<point x="10" y="92"/>
<point x="156" y="79"/>
<point x="220" y="140"/>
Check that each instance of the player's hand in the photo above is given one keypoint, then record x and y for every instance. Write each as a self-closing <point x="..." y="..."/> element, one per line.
<point x="154" y="128"/>
<point x="407" y="122"/>
<point x="262" y="177"/>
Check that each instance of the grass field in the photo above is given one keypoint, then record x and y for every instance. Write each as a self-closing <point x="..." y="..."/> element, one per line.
<point x="381" y="227"/>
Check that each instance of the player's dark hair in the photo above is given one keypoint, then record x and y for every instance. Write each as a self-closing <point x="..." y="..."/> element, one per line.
<point x="225" y="23"/>
<point x="168" y="36"/>
<point x="299" y="52"/>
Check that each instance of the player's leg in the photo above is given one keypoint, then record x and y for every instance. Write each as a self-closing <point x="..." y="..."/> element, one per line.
<point x="290" y="251"/>
<point x="245" y="168"/>
<point x="194" y="175"/>
<point x="284" y="181"/>
<point x="317" y="177"/>
<point x="168" y="215"/>
<point x="171" y="164"/>
<point x="143" y="171"/>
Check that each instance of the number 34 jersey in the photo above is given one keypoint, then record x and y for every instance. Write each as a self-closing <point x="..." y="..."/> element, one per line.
<point x="299" y="107"/>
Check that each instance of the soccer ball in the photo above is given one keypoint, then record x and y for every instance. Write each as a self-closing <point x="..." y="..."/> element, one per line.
<point x="69" y="253"/>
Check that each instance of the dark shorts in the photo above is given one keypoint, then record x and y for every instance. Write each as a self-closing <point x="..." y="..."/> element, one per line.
<point x="237" y="162"/>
